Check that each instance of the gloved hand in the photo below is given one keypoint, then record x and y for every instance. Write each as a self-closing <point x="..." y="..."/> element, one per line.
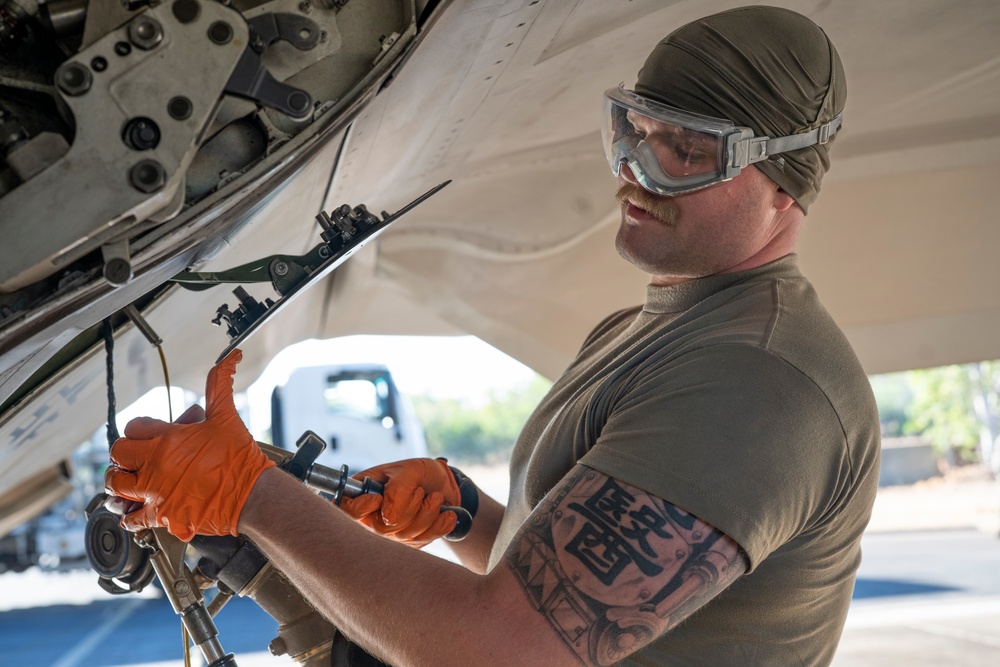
<point x="191" y="478"/>
<point x="410" y="510"/>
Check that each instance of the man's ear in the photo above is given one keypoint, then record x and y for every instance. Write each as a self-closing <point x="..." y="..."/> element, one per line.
<point x="782" y="200"/>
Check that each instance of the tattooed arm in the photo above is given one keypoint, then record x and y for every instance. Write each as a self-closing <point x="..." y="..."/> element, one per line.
<point x="611" y="568"/>
<point x="598" y="570"/>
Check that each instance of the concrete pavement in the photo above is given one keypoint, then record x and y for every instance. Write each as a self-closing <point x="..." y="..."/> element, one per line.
<point x="924" y="599"/>
<point x="929" y="633"/>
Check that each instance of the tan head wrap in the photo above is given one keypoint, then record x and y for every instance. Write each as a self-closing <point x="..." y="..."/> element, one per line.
<point x="765" y="68"/>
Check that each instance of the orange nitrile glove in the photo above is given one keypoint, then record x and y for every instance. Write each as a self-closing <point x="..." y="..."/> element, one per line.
<point x="410" y="510"/>
<point x="192" y="479"/>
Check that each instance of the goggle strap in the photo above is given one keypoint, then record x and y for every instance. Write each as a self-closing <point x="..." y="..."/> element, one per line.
<point x="761" y="148"/>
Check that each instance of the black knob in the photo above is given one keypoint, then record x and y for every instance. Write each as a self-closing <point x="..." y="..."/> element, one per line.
<point x="141" y="134"/>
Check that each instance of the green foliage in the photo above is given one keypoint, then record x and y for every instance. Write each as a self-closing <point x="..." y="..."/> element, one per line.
<point x="478" y="434"/>
<point x="957" y="408"/>
<point x="893" y="396"/>
<point x="942" y="409"/>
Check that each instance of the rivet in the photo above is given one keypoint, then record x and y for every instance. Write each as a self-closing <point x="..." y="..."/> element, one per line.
<point x="179" y="108"/>
<point x="186" y="11"/>
<point x="220" y="32"/>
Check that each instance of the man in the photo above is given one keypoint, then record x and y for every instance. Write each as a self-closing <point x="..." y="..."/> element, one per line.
<point x="714" y="451"/>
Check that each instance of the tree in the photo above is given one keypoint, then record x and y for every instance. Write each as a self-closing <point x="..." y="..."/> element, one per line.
<point x="958" y="407"/>
<point x="460" y="431"/>
<point x="894" y="396"/>
<point x="984" y="378"/>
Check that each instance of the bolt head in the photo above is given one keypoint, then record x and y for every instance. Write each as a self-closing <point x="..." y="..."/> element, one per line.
<point x="145" y="32"/>
<point x="141" y="134"/>
<point x="74" y="79"/>
<point x="148" y="176"/>
<point x="299" y="102"/>
<point x="280" y="268"/>
<point x="186" y="11"/>
<point x="277" y="646"/>
<point x="118" y="271"/>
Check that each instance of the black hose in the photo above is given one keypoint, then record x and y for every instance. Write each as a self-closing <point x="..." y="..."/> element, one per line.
<point x="109" y="350"/>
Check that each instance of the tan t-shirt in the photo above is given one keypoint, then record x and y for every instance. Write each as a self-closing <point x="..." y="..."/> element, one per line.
<point x="737" y="399"/>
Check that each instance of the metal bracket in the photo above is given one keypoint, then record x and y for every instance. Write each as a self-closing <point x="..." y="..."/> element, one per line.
<point x="283" y="271"/>
<point x="246" y="314"/>
<point x="299" y="31"/>
<point x="116" y="184"/>
<point x="345" y="230"/>
<point x="251" y="79"/>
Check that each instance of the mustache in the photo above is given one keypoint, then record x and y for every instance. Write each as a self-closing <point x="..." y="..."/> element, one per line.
<point x="661" y="208"/>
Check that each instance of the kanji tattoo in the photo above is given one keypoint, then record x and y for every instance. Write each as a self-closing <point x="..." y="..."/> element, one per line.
<point x="612" y="568"/>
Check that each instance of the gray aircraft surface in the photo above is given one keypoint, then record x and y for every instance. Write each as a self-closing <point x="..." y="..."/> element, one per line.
<point x="150" y="149"/>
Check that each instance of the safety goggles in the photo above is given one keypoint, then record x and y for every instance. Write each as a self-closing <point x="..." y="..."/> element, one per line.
<point x="672" y="151"/>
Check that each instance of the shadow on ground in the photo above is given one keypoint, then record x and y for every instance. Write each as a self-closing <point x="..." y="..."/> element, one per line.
<point x="150" y="632"/>
<point x="876" y="588"/>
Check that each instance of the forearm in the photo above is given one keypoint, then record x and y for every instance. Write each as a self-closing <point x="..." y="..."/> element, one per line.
<point x="474" y="551"/>
<point x="405" y="606"/>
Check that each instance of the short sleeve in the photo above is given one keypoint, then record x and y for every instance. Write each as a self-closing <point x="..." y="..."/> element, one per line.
<point x="733" y="434"/>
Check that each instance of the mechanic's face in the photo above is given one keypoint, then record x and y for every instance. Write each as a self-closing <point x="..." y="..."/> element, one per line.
<point x="727" y="227"/>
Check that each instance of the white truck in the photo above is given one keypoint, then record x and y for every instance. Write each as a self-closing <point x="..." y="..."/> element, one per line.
<point x="355" y="408"/>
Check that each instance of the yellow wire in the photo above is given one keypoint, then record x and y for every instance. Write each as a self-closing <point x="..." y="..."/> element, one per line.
<point x="187" y="645"/>
<point x="166" y="381"/>
<point x="170" y="412"/>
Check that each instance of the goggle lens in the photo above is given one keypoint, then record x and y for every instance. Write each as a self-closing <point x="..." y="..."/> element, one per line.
<point x="681" y="152"/>
<point x="669" y="151"/>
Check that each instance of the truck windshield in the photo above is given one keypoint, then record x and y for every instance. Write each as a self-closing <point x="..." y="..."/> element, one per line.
<point x="364" y="398"/>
